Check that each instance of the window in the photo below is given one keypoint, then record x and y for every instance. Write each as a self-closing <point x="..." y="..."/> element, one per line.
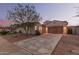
<point x="35" y="27"/>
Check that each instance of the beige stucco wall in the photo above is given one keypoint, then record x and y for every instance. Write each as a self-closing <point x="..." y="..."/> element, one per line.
<point x="20" y="29"/>
<point x="65" y="30"/>
<point x="31" y="31"/>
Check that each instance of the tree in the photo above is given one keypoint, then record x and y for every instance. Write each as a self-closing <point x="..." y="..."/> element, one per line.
<point x="25" y="15"/>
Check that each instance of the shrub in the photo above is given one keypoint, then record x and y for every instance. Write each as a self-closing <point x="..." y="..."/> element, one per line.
<point x="20" y="31"/>
<point x="69" y="31"/>
<point x="3" y="32"/>
<point x="37" y="32"/>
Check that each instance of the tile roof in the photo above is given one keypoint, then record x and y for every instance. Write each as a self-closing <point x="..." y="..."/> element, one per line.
<point x="55" y="23"/>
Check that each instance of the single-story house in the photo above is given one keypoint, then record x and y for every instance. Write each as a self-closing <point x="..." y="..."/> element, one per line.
<point x="55" y="26"/>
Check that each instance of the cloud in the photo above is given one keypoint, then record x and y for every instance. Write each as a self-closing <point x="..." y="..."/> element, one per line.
<point x="76" y="15"/>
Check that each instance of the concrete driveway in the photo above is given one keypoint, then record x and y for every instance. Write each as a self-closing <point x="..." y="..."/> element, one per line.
<point x="40" y="45"/>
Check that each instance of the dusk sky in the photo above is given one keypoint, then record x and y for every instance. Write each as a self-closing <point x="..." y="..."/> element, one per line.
<point x="58" y="11"/>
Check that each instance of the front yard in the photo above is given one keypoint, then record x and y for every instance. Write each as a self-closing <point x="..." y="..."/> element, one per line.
<point x="68" y="45"/>
<point x="16" y="37"/>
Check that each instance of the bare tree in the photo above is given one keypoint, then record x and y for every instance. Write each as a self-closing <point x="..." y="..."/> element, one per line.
<point x="24" y="14"/>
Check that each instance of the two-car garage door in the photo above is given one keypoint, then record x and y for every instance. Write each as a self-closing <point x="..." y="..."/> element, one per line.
<point x="55" y="30"/>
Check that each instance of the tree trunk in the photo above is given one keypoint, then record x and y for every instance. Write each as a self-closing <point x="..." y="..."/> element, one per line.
<point x="28" y="29"/>
<point x="25" y="29"/>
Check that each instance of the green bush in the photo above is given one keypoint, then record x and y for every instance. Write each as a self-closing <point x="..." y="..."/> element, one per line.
<point x="3" y="32"/>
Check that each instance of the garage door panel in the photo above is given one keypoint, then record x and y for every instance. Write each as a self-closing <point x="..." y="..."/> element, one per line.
<point x="55" y="30"/>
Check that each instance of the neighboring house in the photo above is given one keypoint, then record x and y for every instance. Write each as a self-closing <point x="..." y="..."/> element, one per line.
<point x="71" y="30"/>
<point x="55" y="26"/>
<point x="6" y="29"/>
<point x="77" y="30"/>
<point x="74" y="29"/>
<point x="5" y="25"/>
